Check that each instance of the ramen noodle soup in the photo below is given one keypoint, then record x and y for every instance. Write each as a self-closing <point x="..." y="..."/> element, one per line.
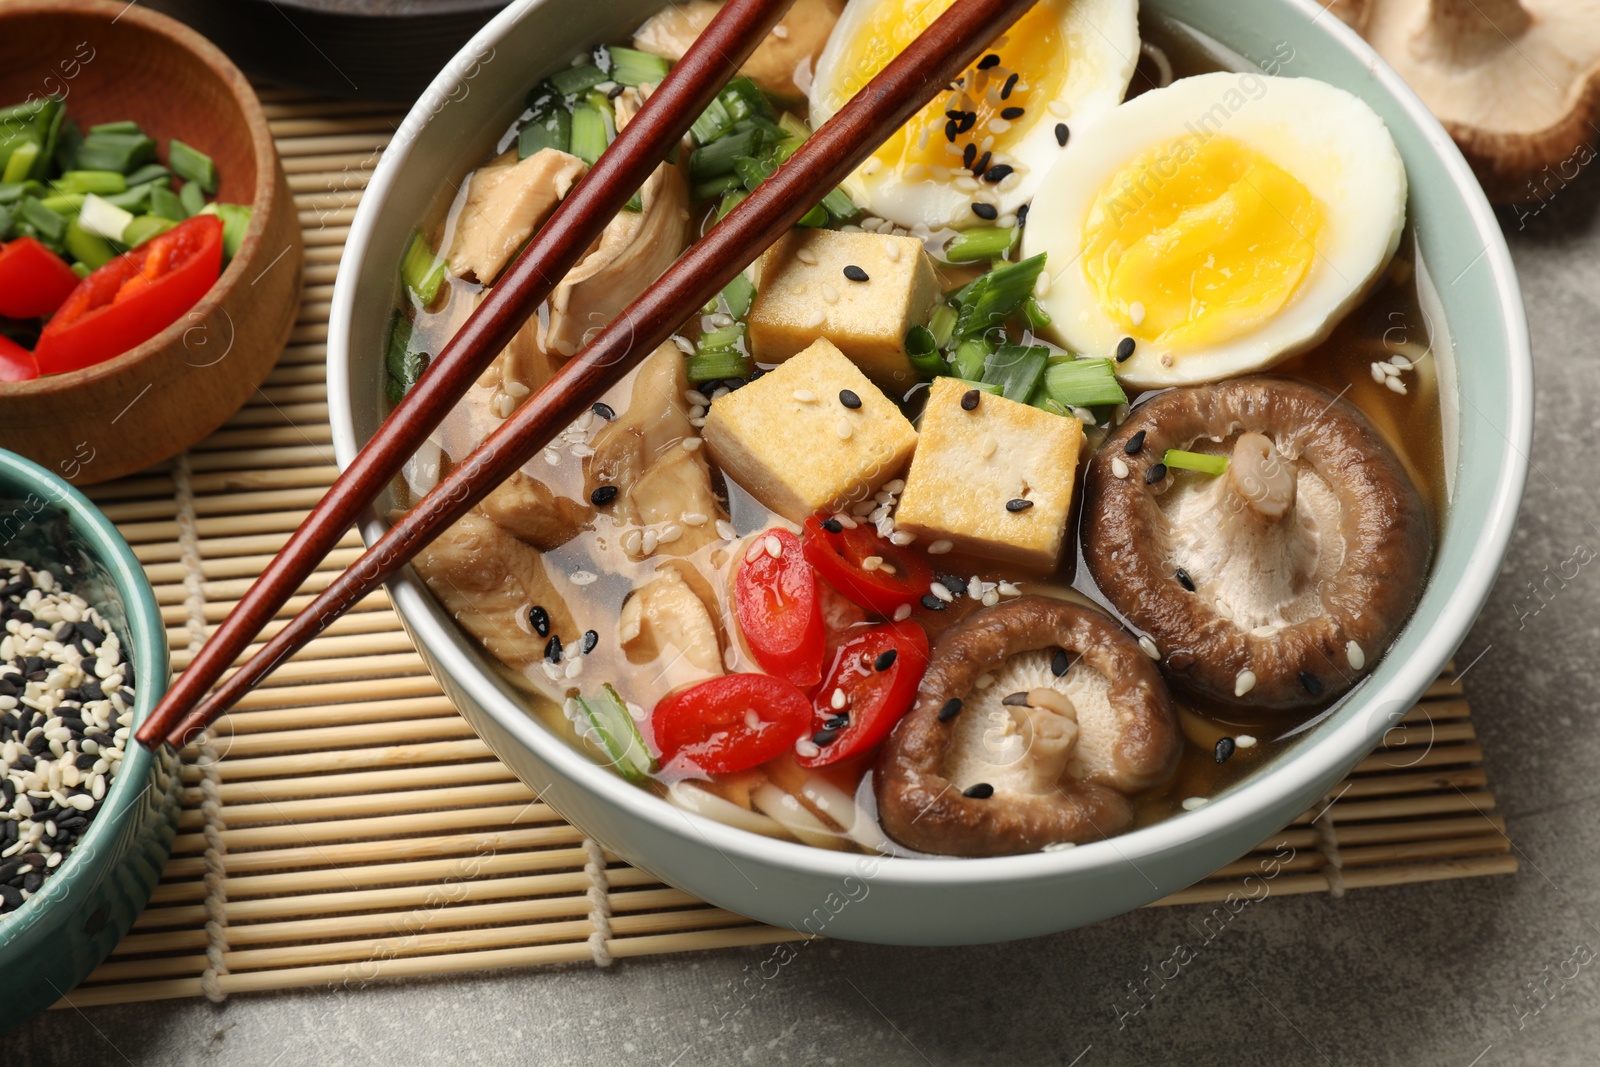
<point x="1052" y="474"/>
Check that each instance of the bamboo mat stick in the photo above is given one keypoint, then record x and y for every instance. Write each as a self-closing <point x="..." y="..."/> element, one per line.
<point x="276" y="791"/>
<point x="1362" y="878"/>
<point x="332" y="692"/>
<point x="371" y="852"/>
<point x="1401" y="807"/>
<point x="375" y="827"/>
<point x="349" y="806"/>
<point x="238" y="768"/>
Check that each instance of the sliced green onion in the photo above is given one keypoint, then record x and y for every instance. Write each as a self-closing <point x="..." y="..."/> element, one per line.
<point x="166" y="204"/>
<point x="730" y="200"/>
<point x="738" y="294"/>
<point x="576" y="80"/>
<point x="144" y="227"/>
<point x="739" y="100"/>
<point x="92" y="250"/>
<point x="1016" y="369"/>
<point x="942" y="324"/>
<point x="125" y="126"/>
<point x="64" y="204"/>
<point x="148" y="173"/>
<point x="68" y="140"/>
<point x="551" y="129"/>
<point x="923" y="351"/>
<point x="406" y="365"/>
<point x="589" y="132"/>
<point x="20" y="163"/>
<point x="718" y="157"/>
<point x="134" y="200"/>
<point x="817" y="216"/>
<point x="982" y="387"/>
<point x="422" y="270"/>
<point x="969" y="357"/>
<point x="192" y="197"/>
<point x="51" y="228"/>
<point x="712" y="123"/>
<point x="50" y="120"/>
<point x="11" y="192"/>
<point x="81" y="269"/>
<point x="1195" y="461"/>
<point x="192" y="165"/>
<point x="980" y="243"/>
<point x="121" y="152"/>
<point x="629" y="66"/>
<point x="91" y="181"/>
<point x="724" y="337"/>
<point x="754" y="171"/>
<point x="713" y="363"/>
<point x="794" y="126"/>
<point x="1082" y="383"/>
<point x="991" y="299"/>
<point x="617" y="734"/>
<point x="1038" y="318"/>
<point x="715" y="187"/>
<point x="101" y="217"/>
<point x="5" y="220"/>
<point x="235" y="223"/>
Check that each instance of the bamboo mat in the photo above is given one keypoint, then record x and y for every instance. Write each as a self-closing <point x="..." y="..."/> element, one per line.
<point x="344" y="824"/>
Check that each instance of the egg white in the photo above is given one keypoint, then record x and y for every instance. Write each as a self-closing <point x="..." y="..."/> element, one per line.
<point x="1102" y="43"/>
<point x="1327" y="139"/>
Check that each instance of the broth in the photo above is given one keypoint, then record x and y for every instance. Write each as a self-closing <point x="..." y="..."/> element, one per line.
<point x="1389" y="321"/>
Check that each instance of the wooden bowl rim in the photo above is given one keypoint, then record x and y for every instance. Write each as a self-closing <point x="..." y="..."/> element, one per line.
<point x="266" y="158"/>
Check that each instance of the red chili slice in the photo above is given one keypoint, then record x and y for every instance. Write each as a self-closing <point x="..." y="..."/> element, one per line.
<point x="33" y="280"/>
<point x="878" y="672"/>
<point x="16" y="362"/>
<point x="730" y="723"/>
<point x="902" y="575"/>
<point x="133" y="298"/>
<point x="779" y="605"/>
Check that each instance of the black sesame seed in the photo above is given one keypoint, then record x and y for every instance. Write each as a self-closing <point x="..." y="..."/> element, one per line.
<point x="603" y="495"/>
<point x="1010" y="113"/>
<point x="952" y="130"/>
<point x="1184" y="579"/>
<point x="1060" y="663"/>
<point x="833" y="525"/>
<point x="990" y="60"/>
<point x="885" y="659"/>
<point x="1022" y="215"/>
<point x="981" y="791"/>
<point x="997" y="173"/>
<point x="985" y="211"/>
<point x="1062" y="133"/>
<point x="854" y="273"/>
<point x="1018" y="503"/>
<point x="731" y="384"/>
<point x="10" y="898"/>
<point x="849" y="399"/>
<point x="824" y="738"/>
<point x="540" y="620"/>
<point x="955" y="583"/>
<point x="1019" y="699"/>
<point x="1011" y="83"/>
<point x="1311" y="683"/>
<point x="1135" y="443"/>
<point x="552" y="649"/>
<point x="951" y="709"/>
<point x="64" y="634"/>
<point x="932" y="603"/>
<point x="982" y="164"/>
<point x="591" y="638"/>
<point x="604" y="410"/>
<point x="90" y="632"/>
<point x="839" y="721"/>
<point x="1124" y="349"/>
<point x="968" y="154"/>
<point x="1155" y="474"/>
<point x="969" y="120"/>
<point x="969" y="399"/>
<point x="1224" y="749"/>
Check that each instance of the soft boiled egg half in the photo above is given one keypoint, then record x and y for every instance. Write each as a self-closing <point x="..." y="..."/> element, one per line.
<point x="990" y="139"/>
<point x="1223" y="223"/>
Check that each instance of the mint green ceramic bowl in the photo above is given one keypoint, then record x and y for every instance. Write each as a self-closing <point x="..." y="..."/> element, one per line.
<point x="55" y="939"/>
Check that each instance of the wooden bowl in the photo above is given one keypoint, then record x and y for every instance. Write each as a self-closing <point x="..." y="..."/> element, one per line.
<point x="114" y="61"/>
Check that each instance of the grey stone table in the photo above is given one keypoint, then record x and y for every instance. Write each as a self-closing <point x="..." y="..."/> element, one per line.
<point x="1460" y="974"/>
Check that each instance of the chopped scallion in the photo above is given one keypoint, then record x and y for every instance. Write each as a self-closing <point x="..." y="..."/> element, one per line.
<point x="20" y="163"/>
<point x="942" y="324"/>
<point x="148" y="173"/>
<point x="629" y="66"/>
<point x="125" y="126"/>
<point x="549" y="129"/>
<point x="64" y="204"/>
<point x="164" y="203"/>
<point x="50" y="227"/>
<point x="1082" y="383"/>
<point x="144" y="227"/>
<point x="88" y="248"/>
<point x="192" y="165"/>
<point x="994" y="296"/>
<point x="982" y="387"/>
<point x="738" y="294"/>
<point x="235" y="223"/>
<point x="422" y="270"/>
<point x="91" y="181"/>
<point x="576" y="80"/>
<point x="102" y="217"/>
<point x="718" y="158"/>
<point x="969" y="357"/>
<point x="713" y="363"/>
<point x="121" y="152"/>
<point x="1195" y="461"/>
<point x="192" y="197"/>
<point x="1016" y="369"/>
<point x="616" y="733"/>
<point x="590" y="132"/>
<point x="1038" y="318"/>
<point x="923" y="351"/>
<point x="980" y="243"/>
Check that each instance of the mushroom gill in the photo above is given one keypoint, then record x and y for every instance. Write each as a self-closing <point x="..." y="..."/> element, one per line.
<point x="1061" y="720"/>
<point x="1278" y="582"/>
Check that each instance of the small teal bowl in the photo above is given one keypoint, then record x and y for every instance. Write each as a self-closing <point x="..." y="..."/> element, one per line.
<point x="64" y="931"/>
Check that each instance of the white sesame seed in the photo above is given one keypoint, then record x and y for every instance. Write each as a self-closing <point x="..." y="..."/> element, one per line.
<point x="1149" y="646"/>
<point x="940" y="547"/>
<point x="1357" y="658"/>
<point x="695" y="396"/>
<point x="669" y="533"/>
<point x="515" y="390"/>
<point x="1118" y="467"/>
<point x="781" y="32"/>
<point x="774" y="547"/>
<point x="805" y="396"/>
<point x="939" y="590"/>
<point x="1244" y="741"/>
<point x="983" y="681"/>
<point x="829" y="293"/>
<point x="845" y="429"/>
<point x="730" y="657"/>
<point x="573" y="668"/>
<point x="872" y="563"/>
<point x="1195" y="803"/>
<point x="895" y="487"/>
<point x="631" y="542"/>
<point x="648" y="545"/>
<point x="751" y="719"/>
<point x="902" y="613"/>
<point x="693" y="518"/>
<point x="1007" y="589"/>
<point x="838" y="700"/>
<point x="891" y="251"/>
<point x="1389" y="369"/>
<point x="1397" y="385"/>
<point x="697" y="412"/>
<point x="1059" y="846"/>
<point x="757" y="549"/>
<point x="815" y="318"/>
<point x="691" y="443"/>
<point x="1401" y="362"/>
<point x="846" y="521"/>
<point x="806" y="748"/>
<point x="1242" y="684"/>
<point x="584" y="577"/>
<point x="725" y="530"/>
<point x="503" y="406"/>
<point x="685" y="345"/>
<point x="902" y="538"/>
<point x="868" y="169"/>
<point x="1223" y="609"/>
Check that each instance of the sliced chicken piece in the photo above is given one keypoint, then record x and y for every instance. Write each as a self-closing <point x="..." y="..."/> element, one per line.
<point x="665" y="627"/>
<point x="506" y="202"/>
<point x="633" y="250"/>
<point x="661" y="485"/>
<point x="531" y="510"/>
<point x="489" y="580"/>
<point x="781" y="64"/>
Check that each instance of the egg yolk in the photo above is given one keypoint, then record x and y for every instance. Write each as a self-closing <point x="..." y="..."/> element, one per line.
<point x="1198" y="240"/>
<point x="1034" y="49"/>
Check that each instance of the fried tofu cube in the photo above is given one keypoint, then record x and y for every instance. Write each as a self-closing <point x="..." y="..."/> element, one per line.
<point x="791" y="440"/>
<point x="803" y="293"/>
<point x="997" y="481"/>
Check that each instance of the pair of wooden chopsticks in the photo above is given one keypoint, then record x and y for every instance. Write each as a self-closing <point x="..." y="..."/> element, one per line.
<point x="901" y="89"/>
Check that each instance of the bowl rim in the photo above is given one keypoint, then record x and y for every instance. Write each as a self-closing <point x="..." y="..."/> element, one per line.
<point x="149" y="635"/>
<point x="266" y="160"/>
<point x="1229" y="813"/>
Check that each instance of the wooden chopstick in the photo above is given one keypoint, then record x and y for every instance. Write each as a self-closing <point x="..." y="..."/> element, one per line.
<point x="907" y="83"/>
<point x="555" y="248"/>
